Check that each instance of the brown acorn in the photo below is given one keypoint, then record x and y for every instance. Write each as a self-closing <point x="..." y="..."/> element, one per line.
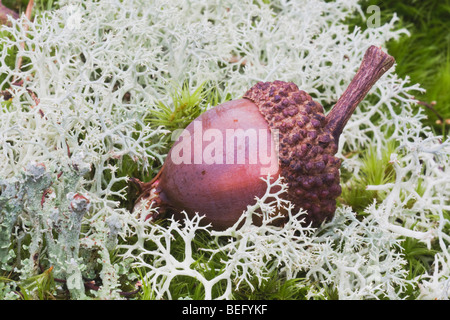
<point x="220" y="187"/>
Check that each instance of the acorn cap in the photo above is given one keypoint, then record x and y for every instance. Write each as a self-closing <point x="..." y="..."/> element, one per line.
<point x="306" y="148"/>
<point x="308" y="140"/>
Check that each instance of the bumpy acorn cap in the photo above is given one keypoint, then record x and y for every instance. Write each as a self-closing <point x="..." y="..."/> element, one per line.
<point x="308" y="140"/>
<point x="306" y="148"/>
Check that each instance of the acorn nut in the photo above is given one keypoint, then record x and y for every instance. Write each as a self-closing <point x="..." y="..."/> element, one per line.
<point x="294" y="139"/>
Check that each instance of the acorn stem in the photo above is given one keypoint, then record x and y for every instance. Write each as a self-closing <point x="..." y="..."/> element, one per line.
<point x="374" y="64"/>
<point x="148" y="192"/>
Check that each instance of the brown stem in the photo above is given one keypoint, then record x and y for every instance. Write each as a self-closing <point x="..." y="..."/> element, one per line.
<point x="149" y="192"/>
<point x="430" y="107"/>
<point x="374" y="64"/>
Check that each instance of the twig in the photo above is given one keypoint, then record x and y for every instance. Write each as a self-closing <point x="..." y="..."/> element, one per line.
<point x="430" y="107"/>
<point x="374" y="64"/>
<point x="127" y="294"/>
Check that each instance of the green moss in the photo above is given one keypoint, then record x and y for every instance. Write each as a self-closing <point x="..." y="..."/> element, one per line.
<point x="275" y="287"/>
<point x="375" y="170"/>
<point x="186" y="105"/>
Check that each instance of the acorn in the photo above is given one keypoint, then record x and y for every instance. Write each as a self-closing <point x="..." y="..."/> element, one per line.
<point x="215" y="167"/>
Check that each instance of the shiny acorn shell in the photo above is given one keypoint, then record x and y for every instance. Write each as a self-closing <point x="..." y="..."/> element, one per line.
<point x="306" y="159"/>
